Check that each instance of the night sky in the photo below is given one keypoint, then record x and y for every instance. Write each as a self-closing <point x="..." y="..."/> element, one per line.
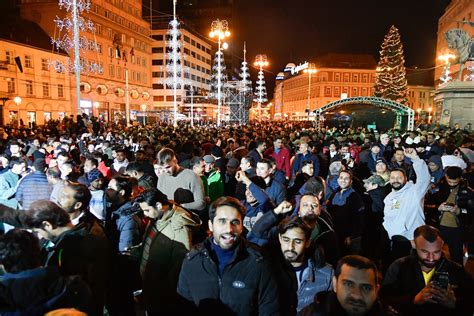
<point x="301" y="30"/>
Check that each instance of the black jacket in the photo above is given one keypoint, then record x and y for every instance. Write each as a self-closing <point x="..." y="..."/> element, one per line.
<point x="404" y="280"/>
<point x="246" y="286"/>
<point x="40" y="290"/>
<point x="326" y="304"/>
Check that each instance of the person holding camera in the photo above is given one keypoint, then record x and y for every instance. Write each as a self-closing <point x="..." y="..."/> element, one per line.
<point x="425" y="282"/>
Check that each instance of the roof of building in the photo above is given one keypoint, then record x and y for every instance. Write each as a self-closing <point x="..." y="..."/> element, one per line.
<point x="420" y="77"/>
<point x="16" y="29"/>
<point x="339" y="60"/>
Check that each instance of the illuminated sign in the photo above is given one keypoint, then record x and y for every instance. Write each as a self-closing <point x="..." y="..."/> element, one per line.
<point x="300" y="67"/>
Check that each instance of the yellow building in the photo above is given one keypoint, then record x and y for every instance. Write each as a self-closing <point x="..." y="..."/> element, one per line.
<point x="123" y="49"/>
<point x="338" y="76"/>
<point x="197" y="61"/>
<point x="456" y="12"/>
<point x="41" y="92"/>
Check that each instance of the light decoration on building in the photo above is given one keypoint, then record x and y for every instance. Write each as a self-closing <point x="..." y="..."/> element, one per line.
<point x="470" y="75"/>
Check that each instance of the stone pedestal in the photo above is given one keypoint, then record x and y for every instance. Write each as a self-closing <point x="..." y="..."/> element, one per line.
<point x="455" y="103"/>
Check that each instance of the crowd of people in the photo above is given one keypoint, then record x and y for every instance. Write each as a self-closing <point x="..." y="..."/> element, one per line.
<point x="272" y="218"/>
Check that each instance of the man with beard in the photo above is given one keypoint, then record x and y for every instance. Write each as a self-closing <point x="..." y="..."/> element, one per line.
<point x="355" y="292"/>
<point x="324" y="244"/>
<point x="173" y="177"/>
<point x="225" y="275"/>
<point x="426" y="283"/>
<point x="298" y="276"/>
<point x="403" y="211"/>
<point x="451" y="202"/>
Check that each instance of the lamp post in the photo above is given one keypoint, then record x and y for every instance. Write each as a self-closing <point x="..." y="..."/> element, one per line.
<point x="144" y="113"/>
<point x="17" y="100"/>
<point x="418" y="111"/>
<point x="445" y="77"/>
<point x="219" y="29"/>
<point x="261" y="61"/>
<point x="310" y="70"/>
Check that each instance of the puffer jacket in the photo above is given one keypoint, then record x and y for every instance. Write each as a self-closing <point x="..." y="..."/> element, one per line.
<point x="128" y="226"/>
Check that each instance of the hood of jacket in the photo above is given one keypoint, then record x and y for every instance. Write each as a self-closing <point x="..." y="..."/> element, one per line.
<point x="179" y="217"/>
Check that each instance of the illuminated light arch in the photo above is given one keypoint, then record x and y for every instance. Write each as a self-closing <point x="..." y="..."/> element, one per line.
<point x="399" y="109"/>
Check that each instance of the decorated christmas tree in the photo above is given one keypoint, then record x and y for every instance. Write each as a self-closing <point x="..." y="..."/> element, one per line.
<point x="245" y="82"/>
<point x="260" y="90"/>
<point x="215" y="75"/>
<point x="391" y="82"/>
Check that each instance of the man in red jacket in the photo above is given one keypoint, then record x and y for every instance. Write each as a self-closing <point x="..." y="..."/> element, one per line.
<point x="281" y="155"/>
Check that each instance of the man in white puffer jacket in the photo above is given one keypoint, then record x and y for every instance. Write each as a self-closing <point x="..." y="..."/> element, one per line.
<point x="403" y="211"/>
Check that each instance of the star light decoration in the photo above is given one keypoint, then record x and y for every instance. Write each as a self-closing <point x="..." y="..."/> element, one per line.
<point x="66" y="41"/>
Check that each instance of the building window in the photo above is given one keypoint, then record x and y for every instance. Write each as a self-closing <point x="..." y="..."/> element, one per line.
<point x="28" y="61"/>
<point x="44" y="64"/>
<point x="110" y="33"/>
<point x="327" y="92"/>
<point x="60" y="91"/>
<point x="124" y="39"/>
<point x="45" y="89"/>
<point x="111" y="70"/>
<point x="355" y="92"/>
<point x="346" y="78"/>
<point x="9" y="57"/>
<point x="157" y="62"/>
<point x="157" y="37"/>
<point x="159" y="98"/>
<point x="337" y="77"/>
<point x="337" y="92"/>
<point x="29" y="87"/>
<point x="119" y="72"/>
<point x="98" y="29"/>
<point x="158" y="86"/>
<point x="111" y="52"/>
<point x="355" y="78"/>
<point x="157" y="50"/>
<point x="144" y="62"/>
<point x="186" y="39"/>
<point x="11" y="85"/>
<point x="365" y="77"/>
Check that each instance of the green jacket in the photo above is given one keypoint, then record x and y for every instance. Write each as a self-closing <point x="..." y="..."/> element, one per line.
<point x="8" y="186"/>
<point x="166" y="242"/>
<point x="215" y="184"/>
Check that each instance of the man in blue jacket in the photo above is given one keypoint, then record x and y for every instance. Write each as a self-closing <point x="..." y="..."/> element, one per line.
<point x="303" y="155"/>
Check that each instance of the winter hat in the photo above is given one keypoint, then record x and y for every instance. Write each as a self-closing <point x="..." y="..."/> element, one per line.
<point x="375" y="179"/>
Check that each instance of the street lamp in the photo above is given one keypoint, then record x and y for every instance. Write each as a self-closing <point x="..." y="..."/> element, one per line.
<point x="219" y="29"/>
<point x="445" y="77"/>
<point x="17" y="100"/>
<point x="261" y="61"/>
<point x="144" y="113"/>
<point x="310" y="70"/>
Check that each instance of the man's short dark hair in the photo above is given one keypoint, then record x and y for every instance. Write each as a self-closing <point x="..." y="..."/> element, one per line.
<point x="295" y="222"/>
<point x="19" y="251"/>
<point x="124" y="183"/>
<point x="250" y="160"/>
<point x="93" y="161"/>
<point x="165" y="155"/>
<point x="196" y="161"/>
<point x="314" y="186"/>
<point x="399" y="149"/>
<point x="16" y="161"/>
<point x="151" y="197"/>
<point x="54" y="172"/>
<point x="39" y="164"/>
<point x="453" y="172"/>
<point x="135" y="166"/>
<point x="358" y="262"/>
<point x="45" y="211"/>
<point x="226" y="201"/>
<point x="259" y="142"/>
<point x="81" y="193"/>
<point x="429" y="233"/>
<point x="267" y="162"/>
